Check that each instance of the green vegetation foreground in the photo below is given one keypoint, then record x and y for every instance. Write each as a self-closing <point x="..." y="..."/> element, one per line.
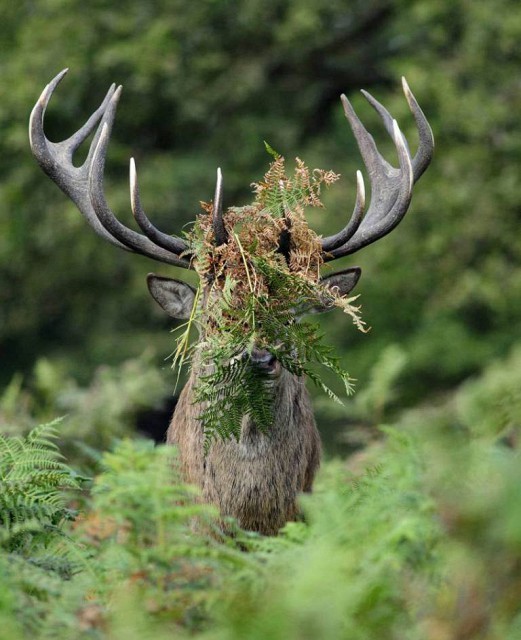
<point x="417" y="538"/>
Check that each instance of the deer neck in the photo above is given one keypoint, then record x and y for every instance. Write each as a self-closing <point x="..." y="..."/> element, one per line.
<point x="290" y="401"/>
<point x="291" y="406"/>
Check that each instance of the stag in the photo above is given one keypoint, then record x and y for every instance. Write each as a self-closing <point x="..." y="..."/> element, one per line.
<point x="258" y="478"/>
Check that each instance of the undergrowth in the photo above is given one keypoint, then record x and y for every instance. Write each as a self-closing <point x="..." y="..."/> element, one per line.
<point x="415" y="538"/>
<point x="37" y="550"/>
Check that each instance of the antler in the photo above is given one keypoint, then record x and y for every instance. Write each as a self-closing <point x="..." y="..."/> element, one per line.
<point x="84" y="185"/>
<point x="391" y="189"/>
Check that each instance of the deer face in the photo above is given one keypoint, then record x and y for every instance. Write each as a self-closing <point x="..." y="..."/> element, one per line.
<point x="177" y="299"/>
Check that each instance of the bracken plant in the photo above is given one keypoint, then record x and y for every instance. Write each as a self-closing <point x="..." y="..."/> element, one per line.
<point x="258" y="291"/>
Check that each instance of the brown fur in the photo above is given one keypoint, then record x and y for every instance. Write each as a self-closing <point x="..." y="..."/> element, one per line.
<point x="256" y="480"/>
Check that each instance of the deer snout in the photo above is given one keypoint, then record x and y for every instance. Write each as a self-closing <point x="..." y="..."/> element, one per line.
<point x="264" y="362"/>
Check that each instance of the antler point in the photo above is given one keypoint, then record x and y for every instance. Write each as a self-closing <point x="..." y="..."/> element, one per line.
<point x="348" y="107"/>
<point x="407" y="90"/>
<point x="360" y="187"/>
<point x="133" y="175"/>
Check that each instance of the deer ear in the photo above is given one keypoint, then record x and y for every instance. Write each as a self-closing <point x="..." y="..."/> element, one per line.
<point x="343" y="281"/>
<point x="175" y="297"/>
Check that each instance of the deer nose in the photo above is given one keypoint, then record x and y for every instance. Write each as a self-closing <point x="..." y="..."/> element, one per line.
<point x="264" y="361"/>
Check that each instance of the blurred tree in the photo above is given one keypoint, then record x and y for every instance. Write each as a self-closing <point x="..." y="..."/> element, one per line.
<point x="205" y="83"/>
<point x="462" y="241"/>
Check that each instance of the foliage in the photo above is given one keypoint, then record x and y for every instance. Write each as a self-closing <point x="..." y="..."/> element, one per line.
<point x="200" y="77"/>
<point x="368" y="535"/>
<point x="416" y="537"/>
<point x="143" y="537"/>
<point x="96" y="415"/>
<point x="153" y="538"/>
<point x="252" y="290"/>
<point x="37" y="552"/>
<point x="490" y="406"/>
<point x="32" y="480"/>
<point x="380" y="389"/>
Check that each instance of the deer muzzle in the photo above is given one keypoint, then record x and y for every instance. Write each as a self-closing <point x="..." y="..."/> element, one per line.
<point x="264" y="362"/>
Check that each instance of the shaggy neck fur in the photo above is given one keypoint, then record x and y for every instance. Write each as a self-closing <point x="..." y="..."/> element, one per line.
<point x="256" y="480"/>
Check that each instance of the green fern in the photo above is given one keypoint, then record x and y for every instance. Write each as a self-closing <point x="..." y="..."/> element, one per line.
<point x="253" y="297"/>
<point x="37" y="550"/>
<point x="33" y="484"/>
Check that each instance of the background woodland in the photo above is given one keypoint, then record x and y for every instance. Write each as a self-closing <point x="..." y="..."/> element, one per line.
<point x="205" y="83"/>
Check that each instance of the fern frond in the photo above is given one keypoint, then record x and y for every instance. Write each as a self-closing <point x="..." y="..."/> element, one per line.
<point x="33" y="481"/>
<point x="252" y="296"/>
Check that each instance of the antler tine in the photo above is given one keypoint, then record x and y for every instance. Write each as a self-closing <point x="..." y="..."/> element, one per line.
<point x="221" y="235"/>
<point x="66" y="147"/>
<point x="170" y="243"/>
<point x="55" y="157"/>
<point x="132" y="240"/>
<point x="391" y="189"/>
<point x="390" y="198"/>
<point x="82" y="184"/>
<point x="387" y="118"/>
<point x="333" y="242"/>
<point x="425" y="151"/>
<point x="423" y="155"/>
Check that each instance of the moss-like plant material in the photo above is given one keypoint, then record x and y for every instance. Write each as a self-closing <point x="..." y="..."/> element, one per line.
<point x="254" y="288"/>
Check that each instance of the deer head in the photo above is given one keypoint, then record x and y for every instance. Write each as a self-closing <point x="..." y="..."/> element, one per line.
<point x="268" y="471"/>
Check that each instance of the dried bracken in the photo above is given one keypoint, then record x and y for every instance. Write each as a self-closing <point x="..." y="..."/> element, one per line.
<point x="256" y="233"/>
<point x="256" y="285"/>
